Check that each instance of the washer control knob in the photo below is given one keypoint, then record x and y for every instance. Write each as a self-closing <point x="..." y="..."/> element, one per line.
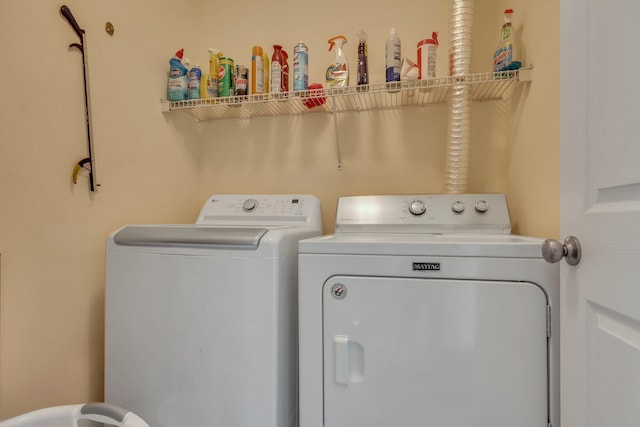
<point x="458" y="207"/>
<point x="482" y="206"/>
<point x="250" y="205"/>
<point x="417" y="207"/>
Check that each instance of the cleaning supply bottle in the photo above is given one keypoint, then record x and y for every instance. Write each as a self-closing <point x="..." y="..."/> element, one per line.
<point x="209" y="82"/>
<point x="195" y="75"/>
<point x="503" y="58"/>
<point x="277" y="66"/>
<point x="285" y="71"/>
<point x="393" y="56"/>
<point x="363" y="60"/>
<point x="266" y="68"/>
<point x="338" y="71"/>
<point x="257" y="70"/>
<point x="187" y="63"/>
<point x="177" y="87"/>
<point x="427" y="56"/>
<point x="300" y="67"/>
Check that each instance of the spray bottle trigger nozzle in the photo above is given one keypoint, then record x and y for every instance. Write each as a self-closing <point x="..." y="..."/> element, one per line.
<point x="337" y="39"/>
<point x="434" y="36"/>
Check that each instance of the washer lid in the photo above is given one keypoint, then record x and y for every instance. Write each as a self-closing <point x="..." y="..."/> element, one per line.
<point x="189" y="235"/>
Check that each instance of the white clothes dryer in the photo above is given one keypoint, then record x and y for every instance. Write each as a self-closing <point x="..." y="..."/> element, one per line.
<point x="424" y="311"/>
<point x="201" y="320"/>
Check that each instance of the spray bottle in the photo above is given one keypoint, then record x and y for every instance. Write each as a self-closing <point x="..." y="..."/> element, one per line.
<point x="177" y="86"/>
<point x="338" y="71"/>
<point x="363" y="60"/>
<point x="209" y="82"/>
<point x="503" y="58"/>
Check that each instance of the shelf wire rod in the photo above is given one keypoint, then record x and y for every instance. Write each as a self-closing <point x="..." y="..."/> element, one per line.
<point x="335" y="126"/>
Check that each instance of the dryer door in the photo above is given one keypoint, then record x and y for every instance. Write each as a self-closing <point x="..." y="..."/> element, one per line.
<point x="434" y="353"/>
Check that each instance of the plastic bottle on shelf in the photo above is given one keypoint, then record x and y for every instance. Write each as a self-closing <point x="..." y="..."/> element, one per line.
<point x="338" y="72"/>
<point x="177" y="86"/>
<point x="363" y="59"/>
<point x="226" y="77"/>
<point x="209" y="81"/>
<point x="300" y="67"/>
<point x="427" y="57"/>
<point x="393" y="58"/>
<point x="285" y="71"/>
<point x="277" y="66"/>
<point x="195" y="75"/>
<point x="257" y="70"/>
<point x="266" y="71"/>
<point x="504" y="57"/>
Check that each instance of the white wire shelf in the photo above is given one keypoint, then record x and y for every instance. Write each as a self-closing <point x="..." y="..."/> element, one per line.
<point x="485" y="86"/>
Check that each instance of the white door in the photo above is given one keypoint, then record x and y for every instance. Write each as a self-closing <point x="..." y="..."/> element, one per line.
<point x="434" y="353"/>
<point x="600" y="204"/>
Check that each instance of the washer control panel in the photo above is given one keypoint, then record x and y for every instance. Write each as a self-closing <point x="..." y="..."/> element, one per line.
<point x="430" y="213"/>
<point x="260" y="209"/>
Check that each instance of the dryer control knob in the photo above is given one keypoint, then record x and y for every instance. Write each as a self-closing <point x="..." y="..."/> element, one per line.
<point x="458" y="207"/>
<point x="249" y="205"/>
<point x="482" y="206"/>
<point x="417" y="207"/>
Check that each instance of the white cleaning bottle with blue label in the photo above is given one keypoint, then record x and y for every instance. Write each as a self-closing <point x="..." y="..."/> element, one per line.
<point x="338" y="71"/>
<point x="504" y="56"/>
<point x="393" y="60"/>
<point x="195" y="74"/>
<point x="177" y="87"/>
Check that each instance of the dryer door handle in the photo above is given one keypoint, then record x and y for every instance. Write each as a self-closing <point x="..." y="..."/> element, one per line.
<point x="341" y="359"/>
<point x="348" y="360"/>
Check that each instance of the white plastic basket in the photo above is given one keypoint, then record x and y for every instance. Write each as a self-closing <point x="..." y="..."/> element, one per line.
<point x="69" y="415"/>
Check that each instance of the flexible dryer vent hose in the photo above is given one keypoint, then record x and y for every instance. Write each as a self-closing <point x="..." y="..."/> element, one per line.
<point x="459" y="129"/>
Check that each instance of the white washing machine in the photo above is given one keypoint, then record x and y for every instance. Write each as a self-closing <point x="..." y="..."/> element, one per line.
<point x="201" y="320"/>
<point x="424" y="311"/>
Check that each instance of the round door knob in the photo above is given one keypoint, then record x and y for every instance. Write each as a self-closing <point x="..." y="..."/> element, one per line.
<point x="554" y="251"/>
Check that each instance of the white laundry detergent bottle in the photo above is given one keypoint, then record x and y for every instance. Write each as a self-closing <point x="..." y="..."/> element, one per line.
<point x="505" y="56"/>
<point x="338" y="71"/>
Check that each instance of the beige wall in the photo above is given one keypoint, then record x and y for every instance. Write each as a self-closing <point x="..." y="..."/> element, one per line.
<point x="157" y="167"/>
<point x="533" y="146"/>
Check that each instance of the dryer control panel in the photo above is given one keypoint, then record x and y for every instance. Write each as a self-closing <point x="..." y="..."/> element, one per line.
<point x="427" y="213"/>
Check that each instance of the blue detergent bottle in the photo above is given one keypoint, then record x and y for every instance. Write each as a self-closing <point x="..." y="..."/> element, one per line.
<point x="177" y="87"/>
